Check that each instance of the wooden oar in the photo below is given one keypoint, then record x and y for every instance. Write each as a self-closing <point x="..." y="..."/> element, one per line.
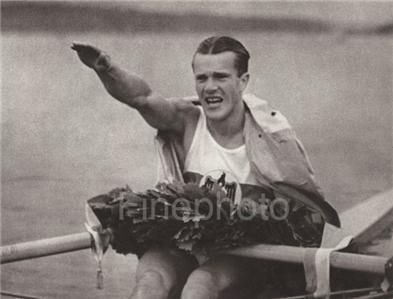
<point x="44" y="247"/>
<point x="291" y="254"/>
<point x="57" y="245"/>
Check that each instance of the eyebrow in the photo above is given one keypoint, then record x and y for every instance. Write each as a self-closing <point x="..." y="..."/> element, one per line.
<point x="221" y="74"/>
<point x="215" y="75"/>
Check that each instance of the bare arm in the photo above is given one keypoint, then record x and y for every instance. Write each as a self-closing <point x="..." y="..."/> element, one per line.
<point x="132" y="90"/>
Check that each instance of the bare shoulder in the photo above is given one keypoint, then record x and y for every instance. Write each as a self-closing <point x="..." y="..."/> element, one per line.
<point x="190" y="114"/>
<point x="190" y="111"/>
<point x="169" y="114"/>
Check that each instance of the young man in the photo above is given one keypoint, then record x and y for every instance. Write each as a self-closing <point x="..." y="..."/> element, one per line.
<point x="229" y="138"/>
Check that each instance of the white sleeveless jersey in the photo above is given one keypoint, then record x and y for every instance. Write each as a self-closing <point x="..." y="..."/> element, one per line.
<point x="211" y="162"/>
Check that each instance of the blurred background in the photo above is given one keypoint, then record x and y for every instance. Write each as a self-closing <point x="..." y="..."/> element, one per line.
<point x="326" y="65"/>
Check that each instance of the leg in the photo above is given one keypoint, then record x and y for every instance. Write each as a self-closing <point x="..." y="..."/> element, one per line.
<point x="161" y="273"/>
<point x="225" y="276"/>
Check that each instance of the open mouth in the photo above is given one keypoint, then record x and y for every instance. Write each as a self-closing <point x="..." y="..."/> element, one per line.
<point x="213" y="100"/>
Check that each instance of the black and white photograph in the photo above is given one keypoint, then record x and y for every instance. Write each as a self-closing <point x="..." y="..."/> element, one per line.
<point x="196" y="149"/>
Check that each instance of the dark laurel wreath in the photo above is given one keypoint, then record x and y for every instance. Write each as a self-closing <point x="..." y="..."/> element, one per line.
<point x="200" y="220"/>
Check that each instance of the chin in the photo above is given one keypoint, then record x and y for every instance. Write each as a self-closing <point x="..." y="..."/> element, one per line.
<point x="215" y="115"/>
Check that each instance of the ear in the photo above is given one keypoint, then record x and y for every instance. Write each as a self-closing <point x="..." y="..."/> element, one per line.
<point x="244" y="81"/>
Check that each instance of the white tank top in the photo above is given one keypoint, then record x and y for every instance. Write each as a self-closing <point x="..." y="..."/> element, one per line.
<point x="212" y="161"/>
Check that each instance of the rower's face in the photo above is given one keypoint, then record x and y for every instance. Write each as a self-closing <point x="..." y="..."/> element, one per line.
<point x="218" y="85"/>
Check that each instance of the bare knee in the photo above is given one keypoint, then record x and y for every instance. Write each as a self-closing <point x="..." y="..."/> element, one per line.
<point x="150" y="284"/>
<point x="161" y="273"/>
<point x="201" y="284"/>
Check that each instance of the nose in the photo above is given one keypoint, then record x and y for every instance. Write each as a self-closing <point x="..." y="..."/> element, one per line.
<point x="210" y="86"/>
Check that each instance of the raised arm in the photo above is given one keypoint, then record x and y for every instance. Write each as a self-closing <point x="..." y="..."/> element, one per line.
<point x="133" y="91"/>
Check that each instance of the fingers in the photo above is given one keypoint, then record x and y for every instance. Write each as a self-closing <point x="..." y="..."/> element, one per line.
<point x="79" y="46"/>
<point x="91" y="56"/>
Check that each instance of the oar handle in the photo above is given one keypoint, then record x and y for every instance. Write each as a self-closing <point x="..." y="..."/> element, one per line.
<point x="44" y="247"/>
<point x="291" y="254"/>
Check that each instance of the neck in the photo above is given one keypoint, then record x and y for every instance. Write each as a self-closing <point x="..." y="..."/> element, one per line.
<point x="229" y="132"/>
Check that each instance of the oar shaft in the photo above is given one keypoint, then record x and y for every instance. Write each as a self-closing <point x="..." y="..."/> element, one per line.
<point x="44" y="247"/>
<point x="68" y="243"/>
<point x="342" y="260"/>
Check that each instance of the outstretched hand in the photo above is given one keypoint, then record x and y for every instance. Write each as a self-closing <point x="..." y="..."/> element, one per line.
<point x="92" y="57"/>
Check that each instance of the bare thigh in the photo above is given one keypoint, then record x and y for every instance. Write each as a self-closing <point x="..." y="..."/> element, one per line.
<point x="226" y="276"/>
<point x="162" y="272"/>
